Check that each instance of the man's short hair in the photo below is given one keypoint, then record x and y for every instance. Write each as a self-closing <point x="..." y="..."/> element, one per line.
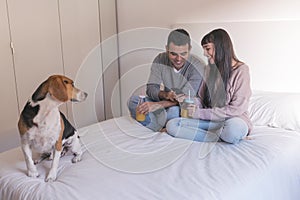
<point x="179" y="37"/>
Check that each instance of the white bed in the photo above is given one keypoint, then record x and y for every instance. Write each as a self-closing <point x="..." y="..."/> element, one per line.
<point x="124" y="160"/>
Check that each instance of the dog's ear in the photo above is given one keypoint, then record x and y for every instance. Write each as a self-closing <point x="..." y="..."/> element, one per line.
<point x="58" y="89"/>
<point x="41" y="92"/>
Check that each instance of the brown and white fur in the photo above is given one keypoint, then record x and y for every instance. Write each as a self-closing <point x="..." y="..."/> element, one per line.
<point x="44" y="129"/>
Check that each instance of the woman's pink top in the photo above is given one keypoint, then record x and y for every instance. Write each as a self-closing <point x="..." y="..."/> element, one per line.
<point x="238" y="95"/>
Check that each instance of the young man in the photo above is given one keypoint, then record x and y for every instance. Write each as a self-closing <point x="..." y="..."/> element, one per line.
<point x="178" y="72"/>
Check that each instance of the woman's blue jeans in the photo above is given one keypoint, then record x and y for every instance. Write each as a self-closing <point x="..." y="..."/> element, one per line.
<point x="231" y="130"/>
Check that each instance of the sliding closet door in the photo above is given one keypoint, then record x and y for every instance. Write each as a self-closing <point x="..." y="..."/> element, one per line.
<point x="109" y="44"/>
<point x="90" y="54"/>
<point x="9" y="136"/>
<point x="35" y="31"/>
<point x="82" y="57"/>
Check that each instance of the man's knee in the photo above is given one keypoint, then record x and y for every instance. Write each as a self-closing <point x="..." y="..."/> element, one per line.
<point x="173" y="112"/>
<point x="132" y="104"/>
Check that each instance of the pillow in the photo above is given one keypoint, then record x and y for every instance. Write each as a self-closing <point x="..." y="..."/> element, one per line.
<point x="275" y="109"/>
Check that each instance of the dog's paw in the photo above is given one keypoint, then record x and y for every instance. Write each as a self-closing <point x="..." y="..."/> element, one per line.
<point x="35" y="162"/>
<point x="51" y="177"/>
<point x="33" y="173"/>
<point x="76" y="159"/>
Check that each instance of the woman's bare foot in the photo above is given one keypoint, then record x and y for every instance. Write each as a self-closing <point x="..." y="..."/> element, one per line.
<point x="163" y="130"/>
<point x="248" y="138"/>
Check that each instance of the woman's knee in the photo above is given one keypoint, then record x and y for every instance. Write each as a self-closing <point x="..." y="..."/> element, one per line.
<point x="172" y="126"/>
<point x="234" y="130"/>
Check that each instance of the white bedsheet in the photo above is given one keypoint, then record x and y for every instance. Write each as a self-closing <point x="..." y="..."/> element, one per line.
<point x="124" y="160"/>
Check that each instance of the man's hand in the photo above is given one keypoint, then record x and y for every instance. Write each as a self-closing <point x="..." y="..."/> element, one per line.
<point x="171" y="95"/>
<point x="147" y="107"/>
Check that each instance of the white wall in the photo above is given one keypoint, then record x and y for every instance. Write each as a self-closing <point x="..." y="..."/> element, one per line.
<point x="157" y="13"/>
<point x="267" y="47"/>
<point x="137" y="15"/>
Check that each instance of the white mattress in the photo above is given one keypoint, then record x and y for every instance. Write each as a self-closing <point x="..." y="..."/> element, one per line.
<point x="124" y="160"/>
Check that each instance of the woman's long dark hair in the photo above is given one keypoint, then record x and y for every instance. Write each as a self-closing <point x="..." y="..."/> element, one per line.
<point x="215" y="90"/>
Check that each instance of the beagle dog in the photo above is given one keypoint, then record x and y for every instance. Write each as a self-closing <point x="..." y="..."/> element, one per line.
<point x="44" y="129"/>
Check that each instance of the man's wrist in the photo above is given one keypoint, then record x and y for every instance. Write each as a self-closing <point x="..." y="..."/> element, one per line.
<point x="167" y="103"/>
<point x="162" y="95"/>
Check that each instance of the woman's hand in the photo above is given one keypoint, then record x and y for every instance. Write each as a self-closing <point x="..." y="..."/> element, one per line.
<point x="180" y="98"/>
<point x="191" y="110"/>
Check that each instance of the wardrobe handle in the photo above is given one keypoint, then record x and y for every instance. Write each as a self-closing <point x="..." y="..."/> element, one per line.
<point x="12" y="47"/>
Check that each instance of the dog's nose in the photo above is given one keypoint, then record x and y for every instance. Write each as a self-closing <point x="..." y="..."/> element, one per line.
<point x="85" y="95"/>
<point x="82" y="96"/>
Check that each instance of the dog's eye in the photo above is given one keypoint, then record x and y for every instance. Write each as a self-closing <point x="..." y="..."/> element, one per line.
<point x="66" y="82"/>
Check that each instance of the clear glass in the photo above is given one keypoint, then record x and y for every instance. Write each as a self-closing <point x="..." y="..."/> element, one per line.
<point x="184" y="107"/>
<point x="139" y="116"/>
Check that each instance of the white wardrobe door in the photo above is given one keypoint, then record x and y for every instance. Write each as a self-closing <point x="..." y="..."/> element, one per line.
<point x="9" y="136"/>
<point x="110" y="56"/>
<point x="82" y="57"/>
<point x="36" y="37"/>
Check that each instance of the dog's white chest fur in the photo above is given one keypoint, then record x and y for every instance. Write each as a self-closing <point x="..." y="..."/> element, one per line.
<point x="43" y="136"/>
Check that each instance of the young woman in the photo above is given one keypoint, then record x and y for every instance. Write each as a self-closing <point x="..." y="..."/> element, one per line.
<point x="221" y="110"/>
